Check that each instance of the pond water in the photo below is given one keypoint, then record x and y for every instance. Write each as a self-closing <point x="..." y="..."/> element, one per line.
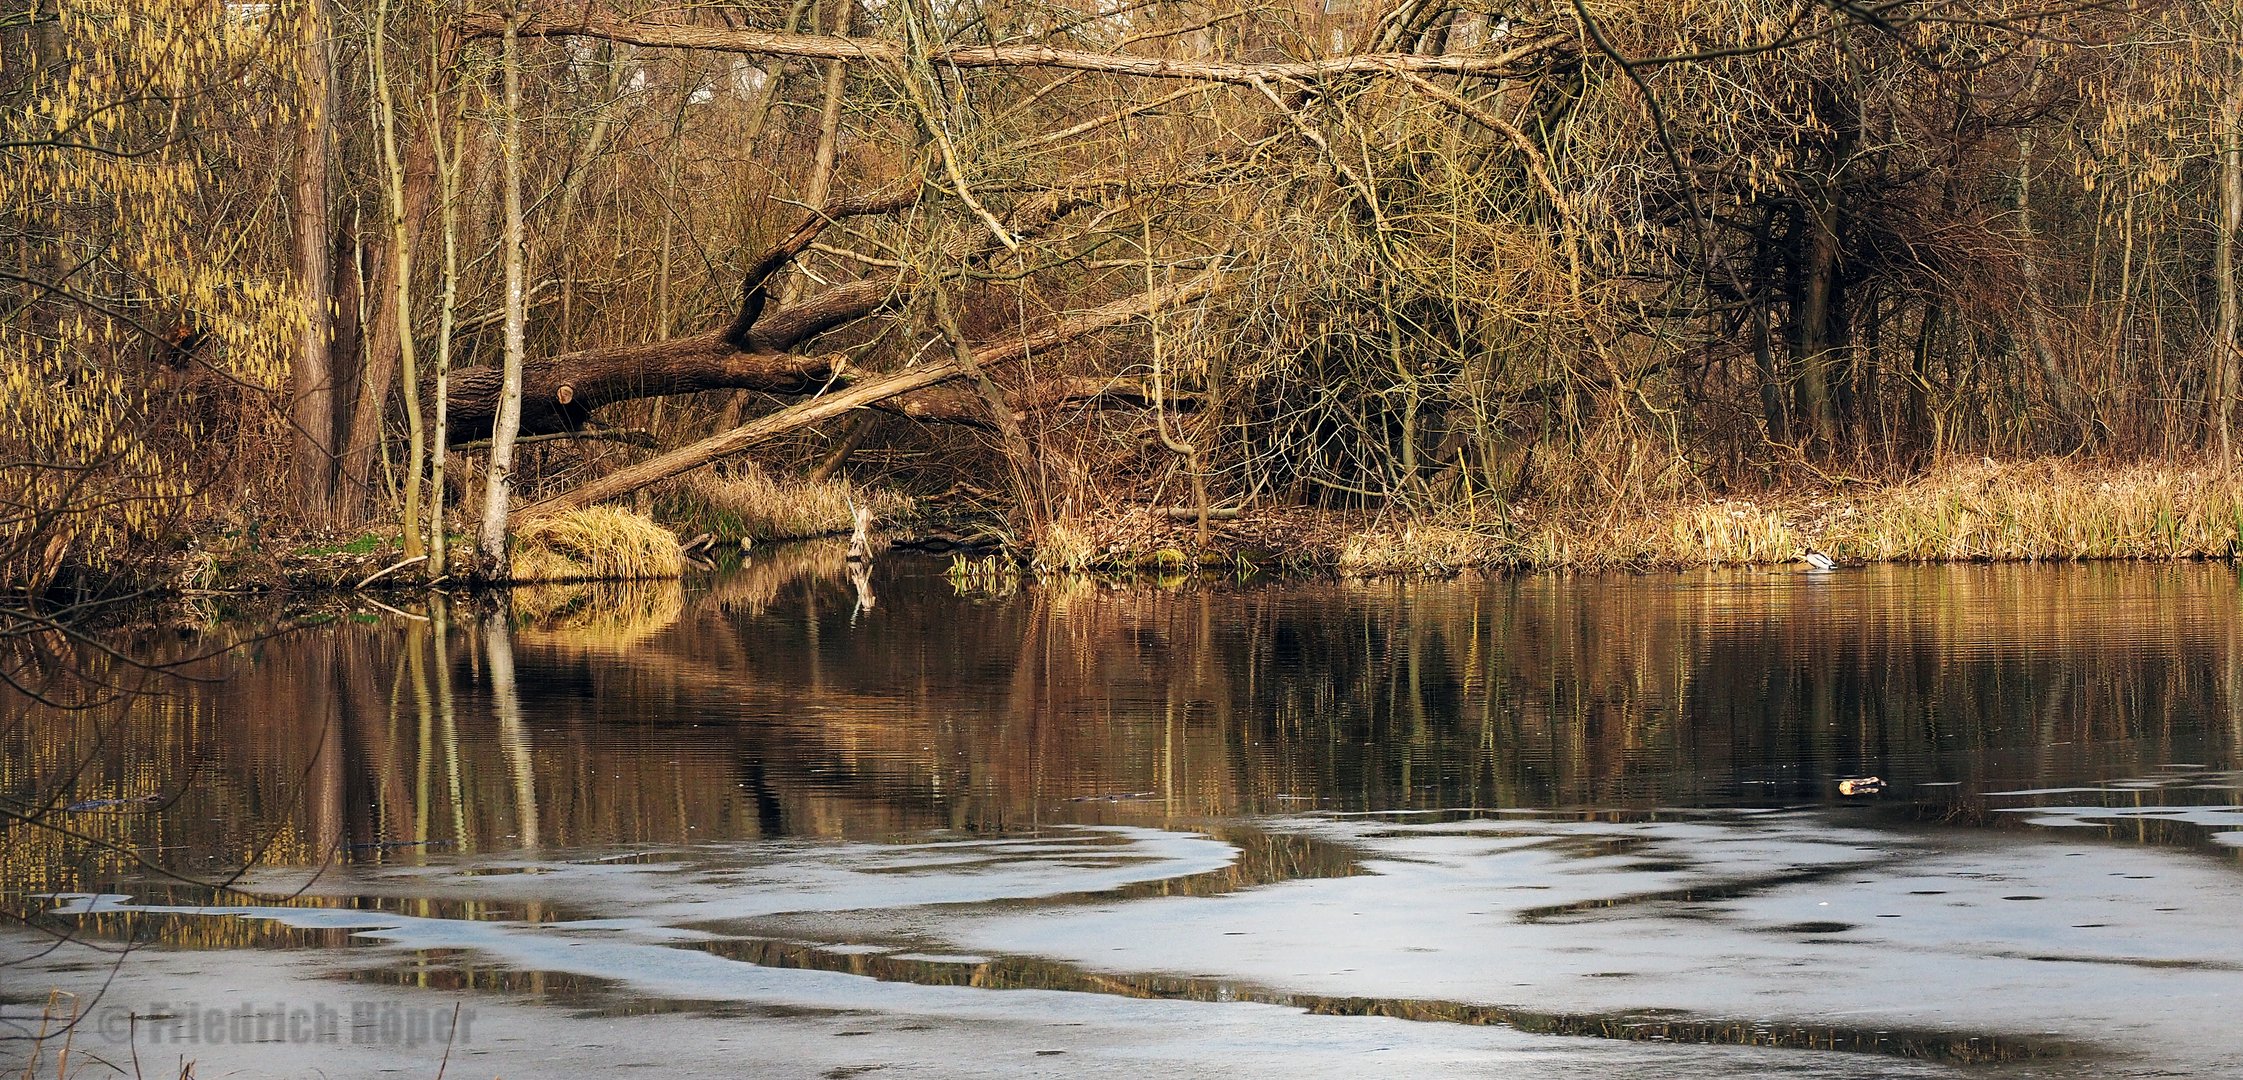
<point x="782" y="821"/>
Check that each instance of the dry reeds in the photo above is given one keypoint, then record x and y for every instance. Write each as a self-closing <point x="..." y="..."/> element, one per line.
<point x="1421" y="547"/>
<point x="752" y="504"/>
<point x="1066" y="547"/>
<point x="988" y="576"/>
<point x="1980" y="511"/>
<point x="597" y="544"/>
<point x="2047" y="510"/>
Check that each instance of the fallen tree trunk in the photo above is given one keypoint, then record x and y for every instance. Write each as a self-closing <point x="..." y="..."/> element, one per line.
<point x="559" y="392"/>
<point x="753" y="353"/>
<point x="872" y="391"/>
<point x="684" y="459"/>
<point x="756" y="352"/>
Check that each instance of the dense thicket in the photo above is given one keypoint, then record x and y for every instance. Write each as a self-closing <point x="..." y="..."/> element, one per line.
<point x="1428" y="254"/>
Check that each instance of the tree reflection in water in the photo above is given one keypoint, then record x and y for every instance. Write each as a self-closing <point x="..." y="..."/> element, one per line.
<point x="769" y="701"/>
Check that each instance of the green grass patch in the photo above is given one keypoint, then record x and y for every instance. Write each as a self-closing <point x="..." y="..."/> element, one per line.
<point x="363" y="545"/>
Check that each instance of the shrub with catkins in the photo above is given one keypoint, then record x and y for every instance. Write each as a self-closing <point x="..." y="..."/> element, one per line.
<point x="146" y="310"/>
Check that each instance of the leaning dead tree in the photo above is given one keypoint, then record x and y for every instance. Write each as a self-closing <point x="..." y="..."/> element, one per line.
<point x="873" y="392"/>
<point x="759" y="349"/>
<point x="754" y="352"/>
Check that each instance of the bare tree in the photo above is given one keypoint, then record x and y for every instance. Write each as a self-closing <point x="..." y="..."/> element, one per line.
<point x="499" y="478"/>
<point x="312" y="392"/>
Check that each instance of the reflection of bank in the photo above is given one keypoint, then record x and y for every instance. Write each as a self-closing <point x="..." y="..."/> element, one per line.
<point x="770" y="573"/>
<point x="610" y="616"/>
<point x="765" y="702"/>
<point x="618" y="617"/>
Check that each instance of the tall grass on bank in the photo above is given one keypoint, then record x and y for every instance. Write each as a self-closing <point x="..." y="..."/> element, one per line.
<point x="1067" y="547"/>
<point x="1982" y="510"/>
<point x="601" y="543"/>
<point x="751" y="504"/>
<point x="2048" y="510"/>
<point x="1724" y="533"/>
<point x="1979" y="511"/>
<point x="1420" y="547"/>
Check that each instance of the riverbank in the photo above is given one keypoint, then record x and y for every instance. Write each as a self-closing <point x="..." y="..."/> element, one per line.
<point x="1976" y="510"/>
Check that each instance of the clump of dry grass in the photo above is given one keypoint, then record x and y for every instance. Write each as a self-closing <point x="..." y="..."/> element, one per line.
<point x="1722" y="533"/>
<point x="751" y="504"/>
<point x="1731" y="533"/>
<point x="1067" y="547"/>
<point x="601" y="543"/>
<point x="1419" y="547"/>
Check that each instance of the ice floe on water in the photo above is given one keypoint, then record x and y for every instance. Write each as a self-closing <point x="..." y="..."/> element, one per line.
<point x="1719" y="926"/>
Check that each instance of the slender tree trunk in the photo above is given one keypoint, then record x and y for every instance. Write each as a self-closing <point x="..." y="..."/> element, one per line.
<point x="1763" y="347"/>
<point x="312" y="390"/>
<point x="1845" y="359"/>
<point x="347" y="352"/>
<point x="360" y="444"/>
<point x="829" y="118"/>
<point x="1190" y="451"/>
<point x="2231" y="220"/>
<point x="401" y="275"/>
<point x="499" y="478"/>
<point x="1869" y="370"/>
<point x="572" y="188"/>
<point x="1930" y="427"/>
<point x="448" y="215"/>
<point x="767" y="96"/>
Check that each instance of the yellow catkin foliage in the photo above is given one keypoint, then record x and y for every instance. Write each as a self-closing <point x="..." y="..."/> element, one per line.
<point x="129" y="128"/>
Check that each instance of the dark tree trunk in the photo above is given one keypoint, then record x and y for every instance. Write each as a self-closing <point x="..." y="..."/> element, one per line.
<point x="362" y="433"/>
<point x="1810" y="319"/>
